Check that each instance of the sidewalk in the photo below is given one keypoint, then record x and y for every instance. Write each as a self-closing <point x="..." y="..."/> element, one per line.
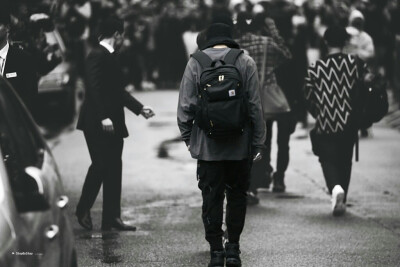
<point x="161" y="197"/>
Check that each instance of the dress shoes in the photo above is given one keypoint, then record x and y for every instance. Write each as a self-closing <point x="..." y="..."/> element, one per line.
<point x="117" y="224"/>
<point x="84" y="219"/>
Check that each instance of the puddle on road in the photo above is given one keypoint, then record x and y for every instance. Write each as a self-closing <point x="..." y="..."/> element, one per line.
<point x="193" y="202"/>
<point x="111" y="245"/>
<point x="289" y="196"/>
<point x="109" y="251"/>
<point x="156" y="124"/>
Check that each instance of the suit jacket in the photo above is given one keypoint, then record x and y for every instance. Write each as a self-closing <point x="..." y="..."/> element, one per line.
<point x="105" y="94"/>
<point x="20" y="71"/>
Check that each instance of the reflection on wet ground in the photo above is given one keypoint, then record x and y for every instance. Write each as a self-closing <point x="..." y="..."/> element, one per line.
<point x="106" y="246"/>
<point x="289" y="196"/>
<point x="111" y="245"/>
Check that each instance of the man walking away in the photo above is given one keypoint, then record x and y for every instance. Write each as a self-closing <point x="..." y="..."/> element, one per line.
<point x="330" y="95"/>
<point x="216" y="79"/>
<point x="102" y="121"/>
<point x="269" y="52"/>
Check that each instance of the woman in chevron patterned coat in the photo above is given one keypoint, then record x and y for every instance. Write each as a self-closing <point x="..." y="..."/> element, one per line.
<point x="329" y="87"/>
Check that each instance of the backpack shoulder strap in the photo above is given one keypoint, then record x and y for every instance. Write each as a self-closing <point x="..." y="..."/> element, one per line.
<point x="232" y="56"/>
<point x="204" y="60"/>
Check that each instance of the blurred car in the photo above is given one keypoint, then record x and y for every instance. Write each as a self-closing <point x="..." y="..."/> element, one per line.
<point x="34" y="225"/>
<point x="61" y="88"/>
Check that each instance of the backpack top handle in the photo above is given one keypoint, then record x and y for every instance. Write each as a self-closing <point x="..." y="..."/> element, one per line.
<point x="205" y="61"/>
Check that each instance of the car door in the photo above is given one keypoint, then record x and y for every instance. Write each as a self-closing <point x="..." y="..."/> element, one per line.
<point x="33" y="178"/>
<point x="8" y="239"/>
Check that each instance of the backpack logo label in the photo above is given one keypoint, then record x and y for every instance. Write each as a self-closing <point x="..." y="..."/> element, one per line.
<point x="232" y="93"/>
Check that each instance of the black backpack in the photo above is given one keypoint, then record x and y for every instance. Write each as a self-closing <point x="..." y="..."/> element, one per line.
<point x="222" y="110"/>
<point x="372" y="99"/>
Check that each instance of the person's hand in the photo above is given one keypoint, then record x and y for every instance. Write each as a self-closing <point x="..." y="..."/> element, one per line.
<point x="108" y="126"/>
<point x="147" y="112"/>
<point x="257" y="155"/>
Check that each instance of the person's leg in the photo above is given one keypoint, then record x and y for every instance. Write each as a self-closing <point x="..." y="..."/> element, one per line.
<point x="331" y="173"/>
<point x="268" y="143"/>
<point x="346" y="166"/>
<point x="260" y="175"/>
<point x="95" y="174"/>
<point x="330" y="159"/>
<point x="210" y="176"/>
<point x="285" y="125"/>
<point x="113" y="179"/>
<point x="236" y="184"/>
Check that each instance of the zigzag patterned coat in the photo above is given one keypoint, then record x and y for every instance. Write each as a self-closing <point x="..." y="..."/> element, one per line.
<point x="328" y="89"/>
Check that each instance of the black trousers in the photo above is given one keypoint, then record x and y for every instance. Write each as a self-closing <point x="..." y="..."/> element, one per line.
<point x="106" y="168"/>
<point x="260" y="173"/>
<point x="217" y="178"/>
<point x="335" y="157"/>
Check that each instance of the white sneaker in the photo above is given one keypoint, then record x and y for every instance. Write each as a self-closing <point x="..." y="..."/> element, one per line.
<point x="338" y="205"/>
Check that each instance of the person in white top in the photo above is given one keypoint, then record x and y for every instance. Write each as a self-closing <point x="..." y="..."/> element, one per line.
<point x="360" y="42"/>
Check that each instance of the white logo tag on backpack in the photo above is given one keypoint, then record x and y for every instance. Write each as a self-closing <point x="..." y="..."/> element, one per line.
<point x="232" y="93"/>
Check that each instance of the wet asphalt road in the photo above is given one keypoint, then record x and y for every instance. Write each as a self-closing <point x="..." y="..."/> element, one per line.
<point x="160" y="196"/>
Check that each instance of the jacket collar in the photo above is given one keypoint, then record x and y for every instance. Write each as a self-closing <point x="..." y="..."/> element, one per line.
<point x="4" y="51"/>
<point x="107" y="46"/>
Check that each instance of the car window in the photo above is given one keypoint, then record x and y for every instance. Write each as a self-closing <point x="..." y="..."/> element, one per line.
<point x="19" y="141"/>
<point x="16" y="122"/>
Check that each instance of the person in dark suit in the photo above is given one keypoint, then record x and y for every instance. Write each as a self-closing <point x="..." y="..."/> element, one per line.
<point x="102" y="121"/>
<point x="17" y="66"/>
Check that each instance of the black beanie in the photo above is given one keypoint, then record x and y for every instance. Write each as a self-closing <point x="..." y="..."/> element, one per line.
<point x="336" y="36"/>
<point x="220" y="33"/>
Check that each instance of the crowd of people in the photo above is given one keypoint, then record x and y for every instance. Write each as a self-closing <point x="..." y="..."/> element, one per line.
<point x="161" y="32"/>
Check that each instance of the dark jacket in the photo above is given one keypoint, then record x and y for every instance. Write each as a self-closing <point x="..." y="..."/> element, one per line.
<point x="203" y="147"/>
<point x="20" y="71"/>
<point x="105" y="94"/>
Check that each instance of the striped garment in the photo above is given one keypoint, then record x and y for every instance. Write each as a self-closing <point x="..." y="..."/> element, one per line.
<point x="328" y="90"/>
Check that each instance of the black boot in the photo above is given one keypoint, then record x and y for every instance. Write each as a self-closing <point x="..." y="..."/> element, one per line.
<point x="217" y="258"/>
<point x="232" y="252"/>
<point x="279" y="185"/>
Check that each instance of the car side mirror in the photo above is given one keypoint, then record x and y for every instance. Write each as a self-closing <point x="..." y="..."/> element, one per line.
<point x="32" y="197"/>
